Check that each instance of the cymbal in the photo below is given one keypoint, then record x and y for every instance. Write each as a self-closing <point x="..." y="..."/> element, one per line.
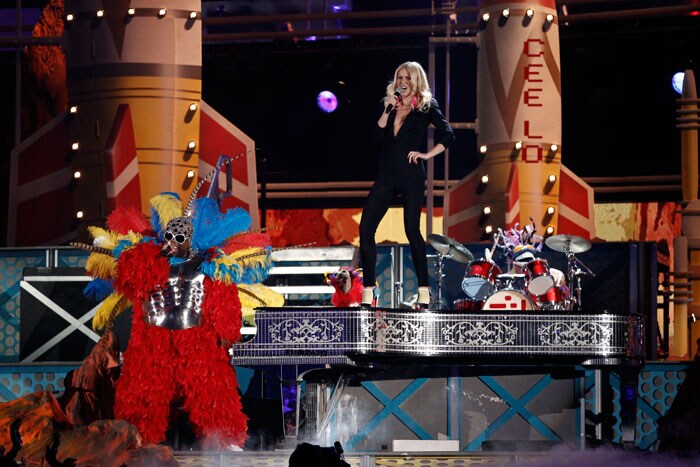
<point x="450" y="248"/>
<point x="568" y="243"/>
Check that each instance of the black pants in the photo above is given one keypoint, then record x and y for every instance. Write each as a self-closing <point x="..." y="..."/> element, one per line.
<point x="376" y="206"/>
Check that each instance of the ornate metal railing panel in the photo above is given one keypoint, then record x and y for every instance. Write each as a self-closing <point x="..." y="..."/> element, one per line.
<point x="330" y="335"/>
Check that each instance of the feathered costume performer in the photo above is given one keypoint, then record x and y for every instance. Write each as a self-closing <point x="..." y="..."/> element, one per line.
<point x="179" y="274"/>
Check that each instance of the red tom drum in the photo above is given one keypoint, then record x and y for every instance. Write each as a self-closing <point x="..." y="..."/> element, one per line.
<point x="465" y="305"/>
<point x="539" y="278"/>
<point x="478" y="279"/>
<point x="554" y="299"/>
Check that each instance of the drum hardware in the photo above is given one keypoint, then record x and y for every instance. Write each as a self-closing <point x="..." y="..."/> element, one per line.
<point x="570" y="245"/>
<point x="398" y="292"/>
<point x="451" y="249"/>
<point x="511" y="282"/>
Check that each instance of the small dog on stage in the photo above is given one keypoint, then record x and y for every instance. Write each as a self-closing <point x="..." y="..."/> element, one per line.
<point x="347" y="283"/>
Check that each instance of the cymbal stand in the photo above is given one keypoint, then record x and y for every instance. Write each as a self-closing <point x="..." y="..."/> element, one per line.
<point x="439" y="302"/>
<point x="574" y="273"/>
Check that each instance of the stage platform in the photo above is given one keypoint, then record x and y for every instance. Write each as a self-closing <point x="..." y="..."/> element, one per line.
<point x="505" y="381"/>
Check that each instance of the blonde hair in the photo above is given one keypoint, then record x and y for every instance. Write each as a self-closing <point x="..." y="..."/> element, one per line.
<point x="420" y="85"/>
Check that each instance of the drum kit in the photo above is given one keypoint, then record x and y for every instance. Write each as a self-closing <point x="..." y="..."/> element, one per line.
<point x="533" y="286"/>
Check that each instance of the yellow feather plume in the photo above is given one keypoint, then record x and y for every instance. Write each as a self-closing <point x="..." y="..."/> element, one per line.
<point x="167" y="206"/>
<point x="257" y="295"/>
<point x="101" y="265"/>
<point x="109" y="309"/>
<point x="102" y="237"/>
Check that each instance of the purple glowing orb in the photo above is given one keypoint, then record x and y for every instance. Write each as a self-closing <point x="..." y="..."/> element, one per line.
<point x="327" y="101"/>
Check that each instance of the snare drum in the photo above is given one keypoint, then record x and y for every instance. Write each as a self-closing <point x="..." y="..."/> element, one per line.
<point x="539" y="278"/>
<point x="479" y="277"/>
<point x="509" y="300"/>
<point x="465" y="305"/>
<point x="553" y="300"/>
<point x="511" y="282"/>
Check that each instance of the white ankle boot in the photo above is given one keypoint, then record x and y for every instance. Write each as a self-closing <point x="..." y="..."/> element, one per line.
<point x="368" y="296"/>
<point x="423" y="301"/>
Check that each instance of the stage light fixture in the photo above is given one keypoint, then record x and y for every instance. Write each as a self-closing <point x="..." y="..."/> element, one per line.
<point x="488" y="229"/>
<point x="100" y="13"/>
<point x="553" y="148"/>
<point x="131" y="11"/>
<point x="162" y="12"/>
<point x="550" y="210"/>
<point x="506" y="12"/>
<point x="550" y="18"/>
<point x="677" y="82"/>
<point x="193" y="107"/>
<point x="552" y="178"/>
<point x="486" y="210"/>
<point x="191" y="145"/>
<point x="73" y="109"/>
<point x="485" y="17"/>
<point x="327" y="101"/>
<point x="77" y="174"/>
<point x="529" y="12"/>
<point x="484" y="179"/>
<point x="79" y="214"/>
<point x="75" y="146"/>
<point x="193" y="14"/>
<point x="483" y="149"/>
<point x="518" y="145"/>
<point x="190" y="174"/>
<point x="550" y="230"/>
<point x="70" y="17"/>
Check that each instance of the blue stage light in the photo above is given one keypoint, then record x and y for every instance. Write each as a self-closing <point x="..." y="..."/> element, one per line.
<point x="327" y="101"/>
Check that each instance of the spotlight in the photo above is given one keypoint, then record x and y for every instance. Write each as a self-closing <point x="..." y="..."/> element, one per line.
<point x="131" y="11"/>
<point x="529" y="12"/>
<point x="550" y="210"/>
<point x="488" y="229"/>
<point x="193" y="14"/>
<point x="77" y="174"/>
<point x="162" y="12"/>
<point x="73" y="109"/>
<point x="484" y="179"/>
<point x="327" y="101"/>
<point x="487" y="210"/>
<point x="483" y="148"/>
<point x="190" y="174"/>
<point x="506" y="12"/>
<point x="518" y="145"/>
<point x="70" y="17"/>
<point x="485" y="17"/>
<point x="191" y="145"/>
<point x="550" y="18"/>
<point x="193" y="107"/>
<point x="552" y="178"/>
<point x="75" y="146"/>
<point x="550" y="230"/>
<point x="79" y="215"/>
<point x="553" y="148"/>
<point x="100" y="13"/>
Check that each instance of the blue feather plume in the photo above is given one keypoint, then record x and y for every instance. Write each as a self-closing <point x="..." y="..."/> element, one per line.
<point x="212" y="227"/>
<point x="98" y="289"/>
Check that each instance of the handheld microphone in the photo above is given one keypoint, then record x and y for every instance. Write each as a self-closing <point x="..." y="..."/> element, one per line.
<point x="390" y="107"/>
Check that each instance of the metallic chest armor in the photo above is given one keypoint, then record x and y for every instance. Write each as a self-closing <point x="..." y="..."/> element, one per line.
<point x="178" y="305"/>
